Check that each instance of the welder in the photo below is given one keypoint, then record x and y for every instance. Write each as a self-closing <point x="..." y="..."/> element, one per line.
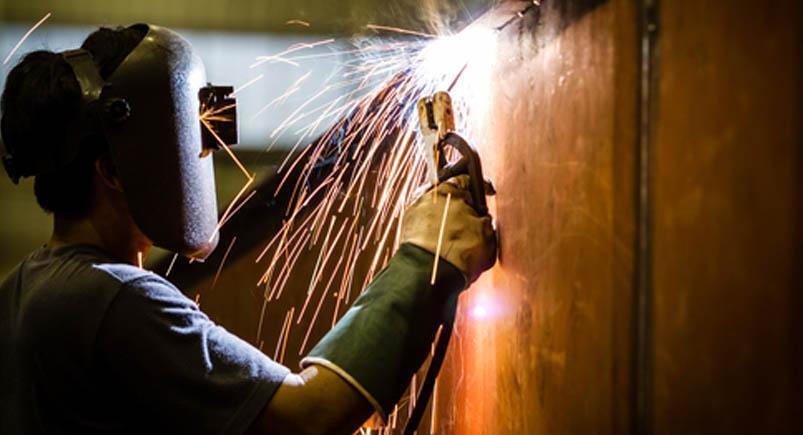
<point x="90" y="343"/>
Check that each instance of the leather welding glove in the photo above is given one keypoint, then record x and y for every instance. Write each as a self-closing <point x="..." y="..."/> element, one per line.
<point x="468" y="242"/>
<point x="385" y="336"/>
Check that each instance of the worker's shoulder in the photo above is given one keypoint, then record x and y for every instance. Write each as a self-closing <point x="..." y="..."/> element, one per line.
<point x="85" y="276"/>
<point x="99" y="272"/>
<point x="73" y="288"/>
<point x="87" y="266"/>
<point x="138" y="281"/>
<point x="128" y="275"/>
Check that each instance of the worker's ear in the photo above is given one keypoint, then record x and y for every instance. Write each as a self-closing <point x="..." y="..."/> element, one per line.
<point x="108" y="173"/>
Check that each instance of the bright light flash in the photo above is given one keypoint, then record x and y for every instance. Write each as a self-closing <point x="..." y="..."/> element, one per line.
<point x="484" y="305"/>
<point x="445" y="57"/>
<point x="465" y="60"/>
<point x="374" y="136"/>
<point x="479" y="312"/>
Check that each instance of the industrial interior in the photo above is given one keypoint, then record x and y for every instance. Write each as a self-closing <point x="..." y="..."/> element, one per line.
<point x="642" y="162"/>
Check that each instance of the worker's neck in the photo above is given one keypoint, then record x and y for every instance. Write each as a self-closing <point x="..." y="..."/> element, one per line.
<point x="117" y="237"/>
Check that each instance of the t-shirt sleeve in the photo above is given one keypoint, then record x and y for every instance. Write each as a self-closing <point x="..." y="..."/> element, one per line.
<point x="175" y="369"/>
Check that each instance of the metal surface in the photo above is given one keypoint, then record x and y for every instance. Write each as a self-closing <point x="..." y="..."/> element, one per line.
<point x="555" y="340"/>
<point x="543" y="342"/>
<point x="727" y="218"/>
<point x="551" y="353"/>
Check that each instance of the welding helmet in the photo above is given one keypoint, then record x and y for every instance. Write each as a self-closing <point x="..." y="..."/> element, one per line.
<point x="148" y="111"/>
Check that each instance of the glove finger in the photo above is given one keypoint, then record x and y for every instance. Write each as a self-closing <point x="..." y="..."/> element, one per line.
<point x="460" y="182"/>
<point x="478" y="242"/>
<point x="451" y="186"/>
<point x="458" y="188"/>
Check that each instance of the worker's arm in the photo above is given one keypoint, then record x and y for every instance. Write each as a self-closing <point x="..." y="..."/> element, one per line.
<point x="163" y="363"/>
<point x="315" y="401"/>
<point x="366" y="361"/>
<point x="364" y="364"/>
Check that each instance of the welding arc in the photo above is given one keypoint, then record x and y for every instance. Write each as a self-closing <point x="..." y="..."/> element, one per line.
<point x="519" y="15"/>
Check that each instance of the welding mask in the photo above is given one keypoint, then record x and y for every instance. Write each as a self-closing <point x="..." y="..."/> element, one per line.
<point x="149" y="112"/>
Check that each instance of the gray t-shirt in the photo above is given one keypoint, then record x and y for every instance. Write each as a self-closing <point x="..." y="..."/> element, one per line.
<point x="88" y="345"/>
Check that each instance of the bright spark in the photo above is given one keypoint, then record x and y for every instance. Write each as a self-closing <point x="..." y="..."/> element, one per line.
<point x="25" y="36"/>
<point x="349" y="188"/>
<point x="249" y="177"/>
<point x="296" y="47"/>
<point x="400" y="31"/>
<point x="249" y="83"/>
<point x="297" y="22"/>
<point x="440" y="239"/>
<point x="223" y="262"/>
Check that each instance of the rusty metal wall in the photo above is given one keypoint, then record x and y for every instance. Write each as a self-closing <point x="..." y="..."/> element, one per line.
<point x="648" y="161"/>
<point x="543" y="341"/>
<point x="727" y="189"/>
<point x="704" y="336"/>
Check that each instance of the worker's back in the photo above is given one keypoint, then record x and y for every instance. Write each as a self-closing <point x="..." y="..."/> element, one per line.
<point x="92" y="346"/>
<point x="51" y="307"/>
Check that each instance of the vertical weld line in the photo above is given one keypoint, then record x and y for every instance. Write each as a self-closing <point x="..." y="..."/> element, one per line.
<point x="643" y="297"/>
<point x="796" y="305"/>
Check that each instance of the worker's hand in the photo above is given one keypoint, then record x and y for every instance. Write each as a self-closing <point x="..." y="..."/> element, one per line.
<point x="469" y="241"/>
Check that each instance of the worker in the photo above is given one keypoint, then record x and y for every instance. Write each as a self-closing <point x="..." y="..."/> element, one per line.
<point x="91" y="344"/>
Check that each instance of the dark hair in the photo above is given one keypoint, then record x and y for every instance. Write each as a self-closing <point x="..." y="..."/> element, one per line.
<point x="40" y="106"/>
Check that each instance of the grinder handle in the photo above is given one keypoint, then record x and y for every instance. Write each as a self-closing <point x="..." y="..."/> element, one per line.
<point x="470" y="164"/>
